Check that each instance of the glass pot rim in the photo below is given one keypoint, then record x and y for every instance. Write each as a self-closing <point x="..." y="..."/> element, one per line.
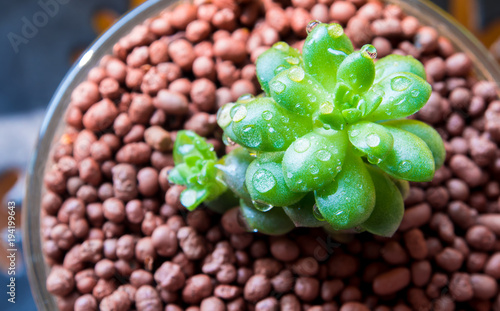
<point x="427" y="13"/>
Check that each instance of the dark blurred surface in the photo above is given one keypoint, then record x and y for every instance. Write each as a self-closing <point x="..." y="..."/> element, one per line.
<point x="42" y="38"/>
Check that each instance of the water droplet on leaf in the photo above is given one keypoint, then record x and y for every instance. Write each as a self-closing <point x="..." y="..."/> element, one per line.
<point x="281" y="46"/>
<point x="301" y="145"/>
<point x="311" y="97"/>
<point x="372" y="140"/>
<point x="354" y="133"/>
<point x="278" y="87"/>
<point x="267" y="115"/>
<point x="323" y="155"/>
<point x="326" y="108"/>
<point x="370" y="50"/>
<point x="262" y="207"/>
<point x="400" y="83"/>
<point x="317" y="214"/>
<point x="312" y="25"/>
<point x="415" y="93"/>
<point x="227" y="141"/>
<point x="240" y="113"/>
<point x="313" y="169"/>
<point x="245" y="97"/>
<point x="292" y="60"/>
<point x="373" y="160"/>
<point x="279" y="69"/>
<point x="263" y="181"/>
<point x="404" y="166"/>
<point x="335" y="30"/>
<point x="251" y="137"/>
<point x="296" y="74"/>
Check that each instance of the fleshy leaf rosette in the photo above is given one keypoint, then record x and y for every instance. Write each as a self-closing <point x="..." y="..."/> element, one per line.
<point x="195" y="168"/>
<point x="327" y="144"/>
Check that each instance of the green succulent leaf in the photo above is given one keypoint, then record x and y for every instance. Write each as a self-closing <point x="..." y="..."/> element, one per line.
<point x="404" y="94"/>
<point x="302" y="213"/>
<point x="410" y="159"/>
<point x="352" y="115"/>
<point x="328" y="117"/>
<point x="297" y="91"/>
<point x="394" y="63"/>
<point x="189" y="147"/>
<point x="195" y="169"/>
<point x="403" y="186"/>
<point x="349" y="200"/>
<point x="266" y="184"/>
<point x="372" y="139"/>
<point x="357" y="71"/>
<point x="371" y="99"/>
<point x="314" y="160"/>
<point x="271" y="222"/>
<point x="389" y="205"/>
<point x="324" y="50"/>
<point x="233" y="167"/>
<point x="223" y="202"/>
<point x="262" y="125"/>
<point x="425" y="132"/>
<point x="276" y="59"/>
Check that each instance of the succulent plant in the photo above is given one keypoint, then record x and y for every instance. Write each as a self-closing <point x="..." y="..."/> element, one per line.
<point x="327" y="144"/>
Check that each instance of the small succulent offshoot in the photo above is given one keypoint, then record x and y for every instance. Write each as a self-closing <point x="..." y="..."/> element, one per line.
<point x="327" y="144"/>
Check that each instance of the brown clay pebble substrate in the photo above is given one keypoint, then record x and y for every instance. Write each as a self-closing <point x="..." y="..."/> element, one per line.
<point x="118" y="237"/>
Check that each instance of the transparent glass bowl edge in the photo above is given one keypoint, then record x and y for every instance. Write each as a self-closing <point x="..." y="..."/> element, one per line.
<point x="429" y="14"/>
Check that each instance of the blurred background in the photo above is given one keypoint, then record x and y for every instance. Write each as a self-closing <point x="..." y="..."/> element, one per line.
<point x="40" y="41"/>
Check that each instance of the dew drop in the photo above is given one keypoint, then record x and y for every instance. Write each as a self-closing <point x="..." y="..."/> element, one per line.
<point x="301" y="145"/>
<point x="263" y="181"/>
<point x="246" y="97"/>
<point x="296" y="74"/>
<point x="326" y="108"/>
<point x="251" y="137"/>
<point x="267" y="115"/>
<point x="354" y="133"/>
<point x="262" y="207"/>
<point x="292" y="60"/>
<point x="312" y="98"/>
<point x="317" y="214"/>
<point x="276" y="139"/>
<point x="279" y="69"/>
<point x="340" y="212"/>
<point x="289" y="175"/>
<point x="335" y="30"/>
<point x="323" y="155"/>
<point x="312" y="25"/>
<point x="374" y="160"/>
<point x="404" y="166"/>
<point x="415" y="93"/>
<point x="240" y="114"/>
<point x="313" y="169"/>
<point x="299" y="181"/>
<point x="370" y="50"/>
<point x="227" y="141"/>
<point x="281" y="46"/>
<point x="278" y="87"/>
<point x="372" y="140"/>
<point x="400" y="83"/>
<point x="338" y="168"/>
<point x="223" y="116"/>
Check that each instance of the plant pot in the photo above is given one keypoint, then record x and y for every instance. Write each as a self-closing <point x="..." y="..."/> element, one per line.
<point x="53" y="127"/>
